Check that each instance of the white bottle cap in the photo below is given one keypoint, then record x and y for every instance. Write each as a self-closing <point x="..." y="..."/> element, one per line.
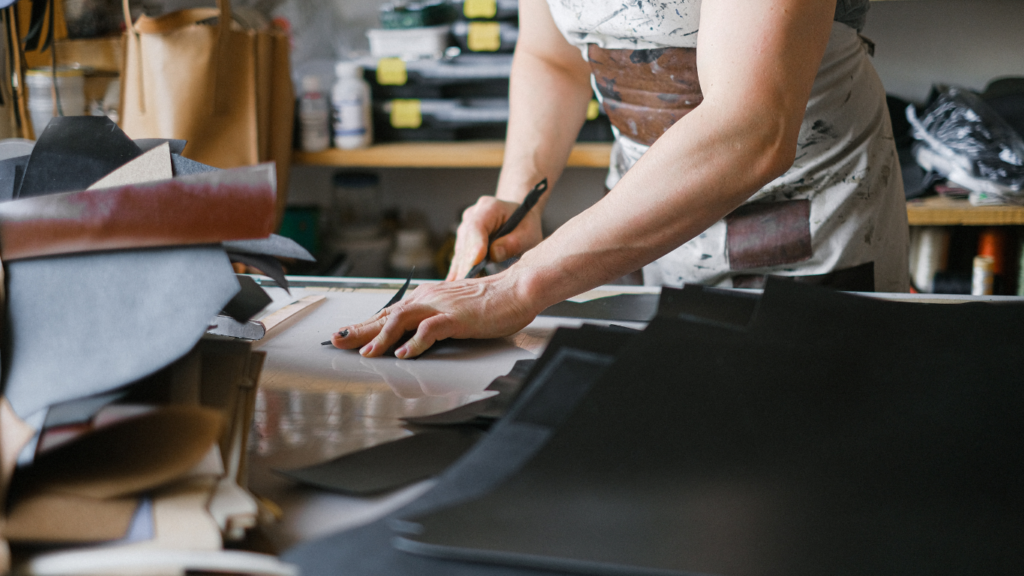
<point x="346" y="69"/>
<point x="310" y="83"/>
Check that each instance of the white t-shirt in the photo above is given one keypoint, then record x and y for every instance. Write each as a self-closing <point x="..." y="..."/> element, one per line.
<point x="846" y="163"/>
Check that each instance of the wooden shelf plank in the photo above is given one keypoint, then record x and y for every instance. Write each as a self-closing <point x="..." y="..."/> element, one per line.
<point x="940" y="211"/>
<point x="477" y="154"/>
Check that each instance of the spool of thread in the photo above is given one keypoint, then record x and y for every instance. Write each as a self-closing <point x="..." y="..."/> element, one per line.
<point x="930" y="251"/>
<point x="992" y="243"/>
<point x="982" y="277"/>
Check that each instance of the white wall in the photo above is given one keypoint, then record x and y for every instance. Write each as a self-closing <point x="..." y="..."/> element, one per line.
<point x="964" y="42"/>
<point x="918" y="43"/>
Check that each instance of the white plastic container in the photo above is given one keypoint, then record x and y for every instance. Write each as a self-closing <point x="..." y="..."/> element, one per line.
<point x="409" y="43"/>
<point x="314" y="116"/>
<point x="412" y="254"/>
<point x="70" y="85"/>
<point x="350" y="103"/>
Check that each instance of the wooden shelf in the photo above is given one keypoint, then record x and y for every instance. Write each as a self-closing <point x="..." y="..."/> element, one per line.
<point x="486" y="154"/>
<point x="939" y="211"/>
<point x="935" y="211"/>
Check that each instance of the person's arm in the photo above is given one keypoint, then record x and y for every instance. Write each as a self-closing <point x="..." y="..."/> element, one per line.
<point x="757" y="61"/>
<point x="549" y="90"/>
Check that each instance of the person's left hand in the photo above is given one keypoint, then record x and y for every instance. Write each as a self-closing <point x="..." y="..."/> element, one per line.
<point x="488" y="307"/>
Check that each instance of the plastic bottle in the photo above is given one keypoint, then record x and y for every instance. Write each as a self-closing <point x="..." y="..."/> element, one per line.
<point x="350" y="100"/>
<point x="314" y="116"/>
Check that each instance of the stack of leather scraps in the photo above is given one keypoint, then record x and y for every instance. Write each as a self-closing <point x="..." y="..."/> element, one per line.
<point x="122" y="425"/>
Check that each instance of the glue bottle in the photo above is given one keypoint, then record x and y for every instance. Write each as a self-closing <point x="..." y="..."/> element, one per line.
<point x="350" y="100"/>
<point x="314" y="116"/>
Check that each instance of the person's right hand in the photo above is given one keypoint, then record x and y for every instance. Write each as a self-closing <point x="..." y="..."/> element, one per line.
<point x="484" y="218"/>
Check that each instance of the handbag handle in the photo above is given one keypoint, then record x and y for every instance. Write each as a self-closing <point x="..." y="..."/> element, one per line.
<point x="180" y="19"/>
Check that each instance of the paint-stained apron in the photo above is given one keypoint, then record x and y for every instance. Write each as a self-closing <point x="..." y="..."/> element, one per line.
<point x="836" y="217"/>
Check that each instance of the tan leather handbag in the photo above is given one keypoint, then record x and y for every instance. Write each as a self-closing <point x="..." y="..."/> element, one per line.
<point x="226" y="90"/>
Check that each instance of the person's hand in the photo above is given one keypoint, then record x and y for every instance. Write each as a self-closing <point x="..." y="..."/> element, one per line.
<point x="481" y="308"/>
<point x="484" y="218"/>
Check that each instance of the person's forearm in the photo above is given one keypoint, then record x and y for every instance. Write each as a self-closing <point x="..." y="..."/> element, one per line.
<point x="548" y="100"/>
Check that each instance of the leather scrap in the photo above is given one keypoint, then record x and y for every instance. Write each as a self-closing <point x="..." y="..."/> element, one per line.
<point x="200" y="209"/>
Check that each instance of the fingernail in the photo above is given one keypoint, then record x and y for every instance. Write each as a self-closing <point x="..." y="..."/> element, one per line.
<point x="366" y="350"/>
<point x="343" y="334"/>
<point x="499" y="255"/>
<point x="402" y="352"/>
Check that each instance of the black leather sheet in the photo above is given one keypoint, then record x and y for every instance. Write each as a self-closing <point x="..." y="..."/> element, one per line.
<point x="550" y="395"/>
<point x="391" y="465"/>
<point x="839" y="435"/>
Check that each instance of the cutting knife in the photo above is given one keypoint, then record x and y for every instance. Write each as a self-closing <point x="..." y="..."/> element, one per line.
<point x="511" y="224"/>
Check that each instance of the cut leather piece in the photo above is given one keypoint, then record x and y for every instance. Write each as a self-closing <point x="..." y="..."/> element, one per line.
<point x="73" y="152"/>
<point x="645" y="92"/>
<point x="79" y="410"/>
<point x="751" y="445"/>
<point x="151" y="166"/>
<point x="115" y="317"/>
<point x="696" y="302"/>
<point x="127" y="457"/>
<point x="621" y="308"/>
<point x="769" y="234"/>
<point x="249" y="301"/>
<point x="267" y="265"/>
<point x="186" y="166"/>
<point x="391" y="465"/>
<point x="65" y="519"/>
<point x="854" y="279"/>
<point x="11" y="172"/>
<point x="200" y="209"/>
<point x="274" y="245"/>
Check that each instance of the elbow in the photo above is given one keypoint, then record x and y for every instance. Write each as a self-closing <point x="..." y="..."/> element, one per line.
<point x="773" y="149"/>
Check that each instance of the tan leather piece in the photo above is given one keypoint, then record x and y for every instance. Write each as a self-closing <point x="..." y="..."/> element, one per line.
<point x="645" y="92"/>
<point x="126" y="458"/>
<point x="203" y="209"/>
<point x="68" y="519"/>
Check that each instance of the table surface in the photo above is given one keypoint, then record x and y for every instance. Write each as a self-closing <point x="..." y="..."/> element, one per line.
<point x="316" y="402"/>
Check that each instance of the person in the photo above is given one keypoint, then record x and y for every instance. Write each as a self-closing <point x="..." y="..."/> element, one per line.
<point x="752" y="139"/>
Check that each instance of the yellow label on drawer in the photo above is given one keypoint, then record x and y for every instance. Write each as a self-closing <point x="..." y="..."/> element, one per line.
<point x="406" y="114"/>
<point x="391" y="72"/>
<point x="484" y="36"/>
<point x="593" y="109"/>
<point x="480" y="8"/>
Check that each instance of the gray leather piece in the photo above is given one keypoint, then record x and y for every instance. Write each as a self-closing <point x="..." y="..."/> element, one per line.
<point x="274" y="245"/>
<point x="184" y="166"/>
<point x="836" y="435"/>
<point x="88" y="323"/>
<point x="546" y="399"/>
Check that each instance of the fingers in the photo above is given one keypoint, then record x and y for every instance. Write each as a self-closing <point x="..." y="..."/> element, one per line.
<point x="429" y="332"/>
<point x="358" y="335"/>
<point x="478" y="222"/>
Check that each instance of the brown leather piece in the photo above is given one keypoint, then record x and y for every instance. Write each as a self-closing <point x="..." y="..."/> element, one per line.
<point x="204" y="209"/>
<point x="769" y="234"/>
<point x="645" y="92"/>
